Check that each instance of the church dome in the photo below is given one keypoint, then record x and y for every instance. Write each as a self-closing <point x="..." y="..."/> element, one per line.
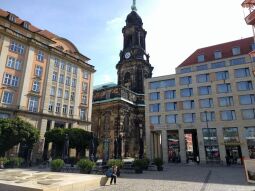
<point x="134" y="19"/>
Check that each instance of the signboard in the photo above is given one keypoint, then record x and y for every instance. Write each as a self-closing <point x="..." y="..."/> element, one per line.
<point x="249" y="166"/>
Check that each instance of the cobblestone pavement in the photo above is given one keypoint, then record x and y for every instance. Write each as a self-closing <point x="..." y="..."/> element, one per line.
<point x="184" y="178"/>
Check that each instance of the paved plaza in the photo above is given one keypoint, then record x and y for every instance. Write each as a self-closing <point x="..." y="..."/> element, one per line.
<point x="184" y="178"/>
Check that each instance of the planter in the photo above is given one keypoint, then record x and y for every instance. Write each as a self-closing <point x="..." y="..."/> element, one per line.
<point x="138" y="170"/>
<point x="160" y="168"/>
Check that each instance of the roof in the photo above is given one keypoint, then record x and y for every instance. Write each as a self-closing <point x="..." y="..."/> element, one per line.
<point x="104" y="86"/>
<point x="225" y="49"/>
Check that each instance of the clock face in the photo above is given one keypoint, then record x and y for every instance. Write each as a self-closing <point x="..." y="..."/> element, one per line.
<point x="127" y="55"/>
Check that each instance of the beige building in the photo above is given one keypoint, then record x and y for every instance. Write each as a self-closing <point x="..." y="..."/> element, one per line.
<point x="206" y="109"/>
<point x="44" y="79"/>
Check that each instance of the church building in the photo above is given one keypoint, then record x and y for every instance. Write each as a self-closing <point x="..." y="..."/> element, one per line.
<point x="118" y="114"/>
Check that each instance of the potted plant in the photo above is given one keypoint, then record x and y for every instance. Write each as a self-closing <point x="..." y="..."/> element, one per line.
<point x="85" y="165"/>
<point x="158" y="162"/>
<point x="116" y="162"/>
<point x="57" y="165"/>
<point x="139" y="166"/>
<point x="146" y="163"/>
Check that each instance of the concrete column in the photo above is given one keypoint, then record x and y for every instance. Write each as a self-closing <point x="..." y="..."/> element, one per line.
<point x="243" y="141"/>
<point x="52" y="124"/>
<point x="201" y="147"/>
<point x="182" y="145"/>
<point x="164" y="145"/>
<point x="66" y="125"/>
<point x="222" y="148"/>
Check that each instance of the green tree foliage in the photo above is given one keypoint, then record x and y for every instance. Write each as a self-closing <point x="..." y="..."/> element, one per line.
<point x="79" y="139"/>
<point x="15" y="131"/>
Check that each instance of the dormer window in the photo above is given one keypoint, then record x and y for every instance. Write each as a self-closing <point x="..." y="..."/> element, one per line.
<point x="217" y="54"/>
<point x="12" y="18"/>
<point x="236" y="50"/>
<point x="201" y="58"/>
<point x="26" y="25"/>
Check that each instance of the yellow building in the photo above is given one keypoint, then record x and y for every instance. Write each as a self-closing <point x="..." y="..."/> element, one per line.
<point x="206" y="109"/>
<point x="44" y="78"/>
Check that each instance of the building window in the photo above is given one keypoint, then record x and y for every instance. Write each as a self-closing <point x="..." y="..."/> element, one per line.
<point x="33" y="104"/>
<point x="64" y="111"/>
<point x="73" y="82"/>
<point x="244" y="86"/>
<point x="55" y="76"/>
<point x="247" y="99"/>
<point x="204" y="90"/>
<point x="224" y="88"/>
<point x="171" y="119"/>
<point x="68" y="81"/>
<point x="71" y="108"/>
<point x="38" y="71"/>
<point x="7" y="79"/>
<point x="202" y="67"/>
<point x="223" y="75"/>
<point x="162" y="84"/>
<point x="170" y="94"/>
<point x="211" y="144"/>
<point x="36" y="86"/>
<point x="228" y="115"/>
<point x="40" y="56"/>
<point x="51" y="107"/>
<point x="7" y="97"/>
<point x="155" y="119"/>
<point x="237" y="61"/>
<point x="202" y="78"/>
<point x="185" y="80"/>
<point x="189" y="117"/>
<point x="217" y="54"/>
<point x="248" y="113"/>
<point x="231" y="135"/>
<point x="155" y="107"/>
<point x="201" y="58"/>
<point x="85" y="74"/>
<point x="170" y="106"/>
<point x="84" y="99"/>
<point x="226" y="101"/>
<point x="188" y="104"/>
<point x="74" y="70"/>
<point x="12" y="18"/>
<point x="206" y="103"/>
<point x="16" y="47"/>
<point x="61" y="78"/>
<point x="207" y="116"/>
<point x="84" y="87"/>
<point x="236" y="51"/>
<point x="56" y="62"/>
<point x="250" y="137"/>
<point x="154" y="96"/>
<point x="186" y="92"/>
<point x="83" y="114"/>
<point x="68" y="68"/>
<point x="218" y="65"/>
<point x="58" y="107"/>
<point x="72" y="97"/>
<point x="185" y="70"/>
<point x="62" y="65"/>
<point x="242" y="72"/>
<point x="52" y="91"/>
<point x="26" y="25"/>
<point x="60" y="92"/>
<point x="66" y="96"/>
<point x="14" y="63"/>
<point x="15" y="81"/>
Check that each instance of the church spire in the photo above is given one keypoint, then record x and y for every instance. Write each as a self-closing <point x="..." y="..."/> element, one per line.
<point x="133" y="7"/>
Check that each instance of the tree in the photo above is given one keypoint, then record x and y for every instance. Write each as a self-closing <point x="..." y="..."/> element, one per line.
<point x="15" y="131"/>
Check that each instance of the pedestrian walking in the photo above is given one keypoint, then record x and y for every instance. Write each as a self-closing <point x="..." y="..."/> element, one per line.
<point x="197" y="159"/>
<point x="114" y="174"/>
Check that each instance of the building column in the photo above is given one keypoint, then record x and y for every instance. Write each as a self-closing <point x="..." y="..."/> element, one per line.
<point x="201" y="147"/>
<point x="222" y="148"/>
<point x="66" y="125"/>
<point x="243" y="142"/>
<point x="52" y="124"/>
<point x="182" y="146"/>
<point x="164" y="145"/>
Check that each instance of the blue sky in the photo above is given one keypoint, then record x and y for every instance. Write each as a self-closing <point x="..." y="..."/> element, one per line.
<point x="175" y="28"/>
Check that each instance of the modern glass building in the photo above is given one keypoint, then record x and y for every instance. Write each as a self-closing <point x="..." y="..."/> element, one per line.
<point x="206" y="109"/>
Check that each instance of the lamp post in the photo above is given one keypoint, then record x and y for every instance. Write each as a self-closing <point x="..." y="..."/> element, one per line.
<point x="141" y="146"/>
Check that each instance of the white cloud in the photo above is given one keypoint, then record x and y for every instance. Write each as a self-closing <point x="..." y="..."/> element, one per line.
<point x="107" y="78"/>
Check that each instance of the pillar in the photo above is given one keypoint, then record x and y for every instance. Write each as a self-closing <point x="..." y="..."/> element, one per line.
<point x="182" y="146"/>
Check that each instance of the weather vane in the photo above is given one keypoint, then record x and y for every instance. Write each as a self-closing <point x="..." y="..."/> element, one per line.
<point x="133" y="7"/>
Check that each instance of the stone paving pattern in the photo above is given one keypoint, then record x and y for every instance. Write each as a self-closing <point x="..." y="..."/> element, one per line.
<point x="184" y="178"/>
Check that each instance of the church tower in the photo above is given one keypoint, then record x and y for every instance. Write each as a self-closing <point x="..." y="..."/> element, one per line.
<point x="134" y="65"/>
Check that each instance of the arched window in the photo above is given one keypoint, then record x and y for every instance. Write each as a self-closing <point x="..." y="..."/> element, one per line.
<point x="36" y="86"/>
